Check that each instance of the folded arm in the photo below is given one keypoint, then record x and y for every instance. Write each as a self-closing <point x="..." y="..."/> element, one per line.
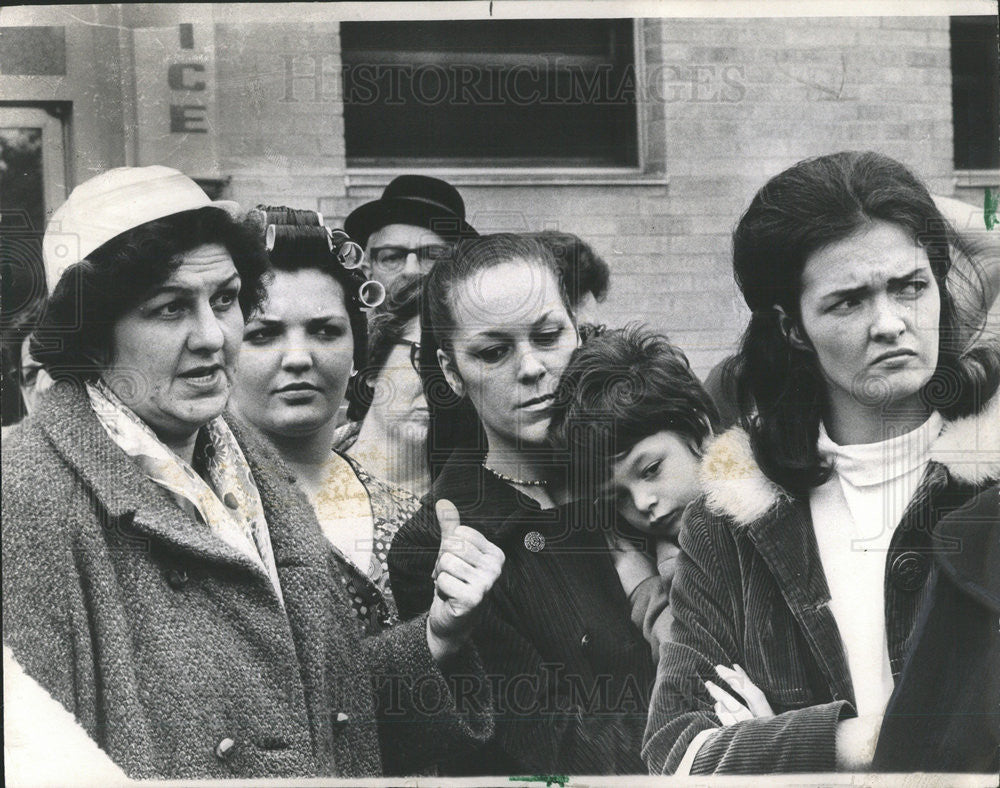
<point x="708" y="610"/>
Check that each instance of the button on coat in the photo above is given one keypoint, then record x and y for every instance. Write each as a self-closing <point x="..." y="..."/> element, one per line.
<point x="224" y="749"/>
<point x="177" y="578"/>
<point x="909" y="570"/>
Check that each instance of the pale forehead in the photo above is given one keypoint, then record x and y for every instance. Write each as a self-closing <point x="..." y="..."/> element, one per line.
<point x="403" y="235"/>
<point x="303" y="295"/>
<point x="512" y="294"/>
<point x="877" y="253"/>
<point x="661" y="445"/>
<point x="203" y="266"/>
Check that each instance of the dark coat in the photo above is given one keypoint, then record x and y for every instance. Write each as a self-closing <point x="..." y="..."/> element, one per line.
<point x="945" y="713"/>
<point x="173" y="652"/>
<point x="750" y="589"/>
<point x="572" y="674"/>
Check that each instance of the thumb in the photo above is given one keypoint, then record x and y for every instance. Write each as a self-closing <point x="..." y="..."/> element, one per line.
<point x="448" y="518"/>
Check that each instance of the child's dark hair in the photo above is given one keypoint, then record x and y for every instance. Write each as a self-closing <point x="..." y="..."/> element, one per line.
<point x="621" y="387"/>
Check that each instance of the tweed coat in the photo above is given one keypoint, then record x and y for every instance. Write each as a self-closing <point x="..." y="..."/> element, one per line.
<point x="572" y="674"/>
<point x="750" y="589"/>
<point x="173" y="651"/>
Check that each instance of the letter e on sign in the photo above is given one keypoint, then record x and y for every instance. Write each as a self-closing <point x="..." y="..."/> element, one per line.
<point x="188" y="118"/>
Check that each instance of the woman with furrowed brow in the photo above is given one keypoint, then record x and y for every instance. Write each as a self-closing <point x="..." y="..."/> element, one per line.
<point x="866" y="418"/>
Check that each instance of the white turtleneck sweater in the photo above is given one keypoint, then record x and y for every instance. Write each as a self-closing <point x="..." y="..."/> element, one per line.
<point x="855" y="514"/>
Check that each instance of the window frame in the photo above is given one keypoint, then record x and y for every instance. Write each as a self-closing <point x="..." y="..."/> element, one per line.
<point x="970" y="177"/>
<point x="51" y="120"/>
<point x="648" y="171"/>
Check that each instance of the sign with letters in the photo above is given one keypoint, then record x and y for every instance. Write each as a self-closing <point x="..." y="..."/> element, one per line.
<point x="175" y="97"/>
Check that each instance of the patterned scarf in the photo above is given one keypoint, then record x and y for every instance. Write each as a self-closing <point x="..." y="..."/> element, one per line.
<point x="227" y="500"/>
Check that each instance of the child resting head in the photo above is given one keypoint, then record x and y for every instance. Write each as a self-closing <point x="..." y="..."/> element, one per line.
<point x="633" y="419"/>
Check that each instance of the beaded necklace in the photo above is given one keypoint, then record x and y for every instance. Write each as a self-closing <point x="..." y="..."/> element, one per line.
<point x="511" y="480"/>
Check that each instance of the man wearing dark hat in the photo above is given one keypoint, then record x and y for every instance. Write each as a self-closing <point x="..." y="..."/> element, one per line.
<point x="410" y="227"/>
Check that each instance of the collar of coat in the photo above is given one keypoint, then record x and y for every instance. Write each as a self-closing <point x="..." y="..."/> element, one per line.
<point x="734" y="484"/>
<point x="125" y="495"/>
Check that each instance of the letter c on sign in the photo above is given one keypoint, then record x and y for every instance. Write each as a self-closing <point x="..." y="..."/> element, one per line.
<point x="177" y="76"/>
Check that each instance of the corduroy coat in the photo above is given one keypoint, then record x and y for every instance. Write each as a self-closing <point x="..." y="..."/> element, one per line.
<point x="750" y="589"/>
<point x="173" y="651"/>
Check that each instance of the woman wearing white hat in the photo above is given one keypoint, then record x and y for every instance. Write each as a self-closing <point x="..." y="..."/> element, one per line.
<point x="162" y="579"/>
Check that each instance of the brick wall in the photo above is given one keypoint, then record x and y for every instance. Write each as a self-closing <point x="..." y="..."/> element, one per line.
<point x="729" y="103"/>
<point x="739" y="102"/>
<point x="281" y="135"/>
<point x="811" y="86"/>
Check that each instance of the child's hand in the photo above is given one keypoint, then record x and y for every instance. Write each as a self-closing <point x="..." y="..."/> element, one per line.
<point x="632" y="563"/>
<point x="666" y="560"/>
<point x="728" y="709"/>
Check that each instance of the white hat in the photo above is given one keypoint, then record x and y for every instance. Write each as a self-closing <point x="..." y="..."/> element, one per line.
<point x="113" y="202"/>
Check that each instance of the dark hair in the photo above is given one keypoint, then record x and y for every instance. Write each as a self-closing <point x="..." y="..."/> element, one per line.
<point x="621" y="387"/>
<point x="454" y="425"/>
<point x="74" y="338"/>
<point x="385" y="330"/>
<point x="301" y="243"/>
<point x="780" y="388"/>
<point x="16" y="328"/>
<point x="584" y="272"/>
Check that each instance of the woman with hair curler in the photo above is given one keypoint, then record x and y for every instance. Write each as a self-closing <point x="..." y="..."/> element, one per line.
<point x="386" y="436"/>
<point x="865" y="418"/>
<point x="299" y="351"/>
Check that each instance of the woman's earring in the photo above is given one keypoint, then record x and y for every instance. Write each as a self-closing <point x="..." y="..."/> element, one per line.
<point x="451" y="375"/>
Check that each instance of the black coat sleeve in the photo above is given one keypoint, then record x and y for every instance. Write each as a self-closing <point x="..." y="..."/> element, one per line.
<point x="411" y="560"/>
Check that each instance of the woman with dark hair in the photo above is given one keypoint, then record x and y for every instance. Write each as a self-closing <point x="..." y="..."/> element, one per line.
<point x="571" y="673"/>
<point x="163" y="581"/>
<point x="583" y="275"/>
<point x="863" y="417"/>
<point x="387" y="434"/>
<point x="299" y="351"/>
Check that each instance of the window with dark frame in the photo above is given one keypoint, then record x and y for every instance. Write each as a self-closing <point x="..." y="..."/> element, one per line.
<point x="517" y="93"/>
<point x="975" y="100"/>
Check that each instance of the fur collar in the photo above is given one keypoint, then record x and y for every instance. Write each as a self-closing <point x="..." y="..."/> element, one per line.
<point x="734" y="485"/>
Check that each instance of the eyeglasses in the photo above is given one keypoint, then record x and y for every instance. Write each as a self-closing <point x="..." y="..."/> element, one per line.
<point x="393" y="258"/>
<point x="414" y="353"/>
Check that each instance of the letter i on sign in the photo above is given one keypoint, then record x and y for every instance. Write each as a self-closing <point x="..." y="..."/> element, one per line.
<point x="186" y="31"/>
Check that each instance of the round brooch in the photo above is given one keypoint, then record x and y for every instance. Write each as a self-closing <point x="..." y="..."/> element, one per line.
<point x="534" y="541"/>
